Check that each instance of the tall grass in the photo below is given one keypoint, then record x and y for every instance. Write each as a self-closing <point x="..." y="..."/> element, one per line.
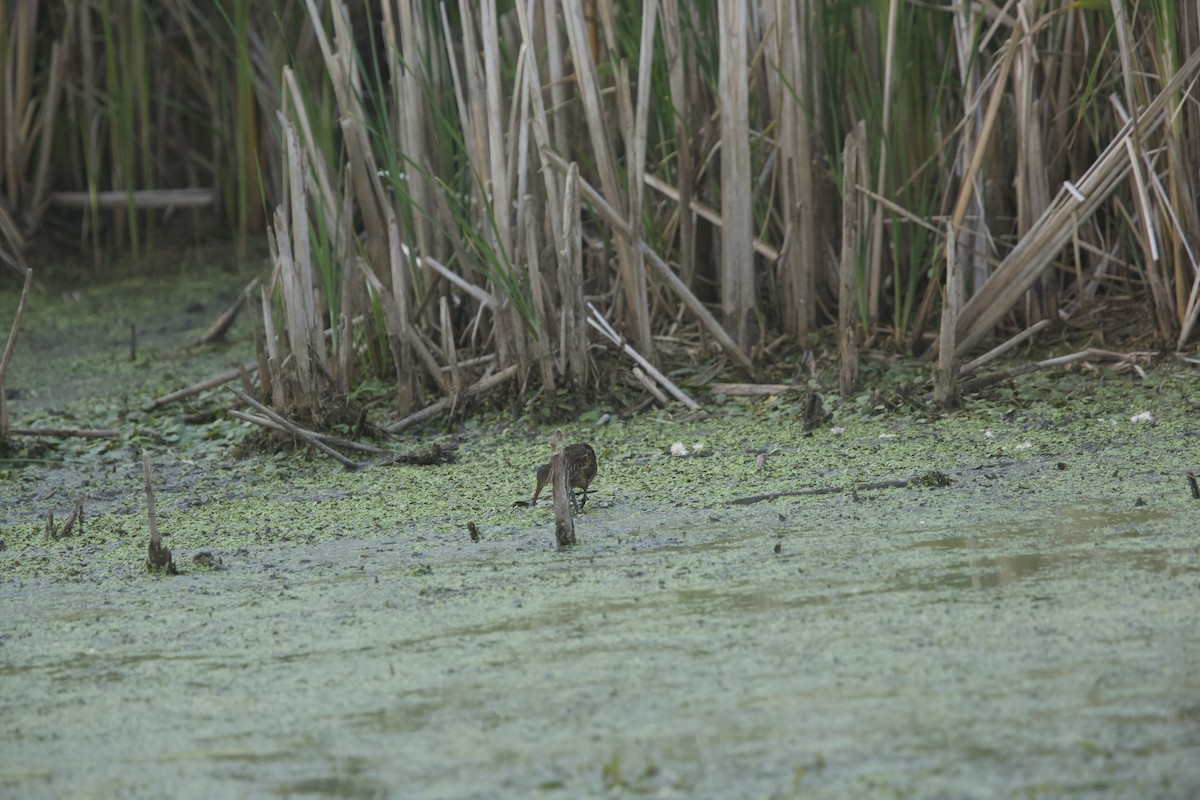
<point x="474" y="172"/>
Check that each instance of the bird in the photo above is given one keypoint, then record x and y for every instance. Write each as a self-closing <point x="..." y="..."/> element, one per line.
<point x="580" y="459"/>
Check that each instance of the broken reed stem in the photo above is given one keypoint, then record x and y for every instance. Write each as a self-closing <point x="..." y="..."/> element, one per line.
<point x="158" y="557"/>
<point x="483" y="385"/>
<point x="944" y="378"/>
<point x="564" y="524"/>
<point x="8" y="351"/>
<point x="601" y="324"/>
<point x="621" y="227"/>
<point x="847" y="270"/>
<point x="155" y="539"/>
<point x="649" y="386"/>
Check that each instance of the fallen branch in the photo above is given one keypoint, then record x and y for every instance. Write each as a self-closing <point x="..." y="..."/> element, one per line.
<point x="66" y="433"/>
<point x="295" y="430"/>
<point x="928" y="480"/>
<point x="1003" y="348"/>
<point x="197" y="388"/>
<point x="753" y="389"/>
<point x="1092" y="353"/>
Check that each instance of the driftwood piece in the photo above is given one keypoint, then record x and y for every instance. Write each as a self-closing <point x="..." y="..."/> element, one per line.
<point x="928" y="480"/>
<point x="564" y="524"/>
<point x="158" y="555"/>
<point x="75" y="517"/>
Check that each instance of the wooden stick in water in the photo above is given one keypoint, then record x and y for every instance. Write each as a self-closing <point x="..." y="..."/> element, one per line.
<point x="564" y="524"/>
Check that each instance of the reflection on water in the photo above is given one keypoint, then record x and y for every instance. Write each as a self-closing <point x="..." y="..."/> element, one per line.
<point x="1064" y="540"/>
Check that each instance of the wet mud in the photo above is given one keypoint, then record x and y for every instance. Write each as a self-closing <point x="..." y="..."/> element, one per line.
<point x="1031" y="629"/>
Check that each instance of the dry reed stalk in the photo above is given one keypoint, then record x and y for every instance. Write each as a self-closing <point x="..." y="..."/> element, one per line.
<point x="875" y="246"/>
<point x="597" y="321"/>
<point x="501" y="200"/>
<point x="9" y="346"/>
<point x="791" y="94"/>
<point x="142" y="200"/>
<point x="737" y="254"/>
<point x="1164" y="308"/>
<point x="975" y="239"/>
<point x="945" y="376"/>
<point x="709" y="214"/>
<point x="707" y="320"/>
<point x="633" y="283"/>
<point x="294" y="112"/>
<point x="404" y="343"/>
<point x="449" y="351"/>
<point x="1053" y="230"/>
<point x="158" y="556"/>
<point x="407" y="387"/>
<point x="649" y="386"/>
<point x="678" y="69"/>
<point x="570" y="280"/>
<point x="541" y="348"/>
<point x="196" y="388"/>
<point x="1002" y="348"/>
<point x="295" y="430"/>
<point x="404" y="53"/>
<point x="848" y="268"/>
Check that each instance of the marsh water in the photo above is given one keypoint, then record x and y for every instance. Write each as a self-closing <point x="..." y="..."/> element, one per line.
<point x="1031" y="630"/>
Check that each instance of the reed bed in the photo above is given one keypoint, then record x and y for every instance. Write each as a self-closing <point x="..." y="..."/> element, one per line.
<point x="469" y="196"/>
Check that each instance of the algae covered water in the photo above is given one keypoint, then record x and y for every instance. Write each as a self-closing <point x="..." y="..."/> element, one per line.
<point x="1030" y="629"/>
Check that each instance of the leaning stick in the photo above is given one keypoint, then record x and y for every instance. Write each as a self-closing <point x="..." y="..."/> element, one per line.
<point x="197" y="388"/>
<point x="222" y="323"/>
<point x="1001" y="349"/>
<point x="266" y="422"/>
<point x="296" y="430"/>
<point x="601" y="324"/>
<point x="483" y="385"/>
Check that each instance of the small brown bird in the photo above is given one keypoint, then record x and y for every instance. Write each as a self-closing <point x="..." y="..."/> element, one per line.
<point x="581" y="470"/>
